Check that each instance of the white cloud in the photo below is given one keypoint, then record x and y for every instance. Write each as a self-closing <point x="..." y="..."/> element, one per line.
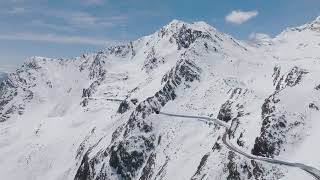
<point x="93" y="2"/>
<point x="72" y="19"/>
<point x="86" y="20"/>
<point x="58" y="39"/>
<point x="13" y="11"/>
<point x="83" y="19"/>
<point x="79" y="18"/>
<point x="239" y="17"/>
<point x="38" y="23"/>
<point x="17" y="10"/>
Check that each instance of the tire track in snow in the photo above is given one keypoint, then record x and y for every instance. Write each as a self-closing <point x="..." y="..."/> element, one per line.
<point x="311" y="170"/>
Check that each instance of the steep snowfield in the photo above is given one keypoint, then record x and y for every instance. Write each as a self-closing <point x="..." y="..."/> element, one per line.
<point x="95" y="116"/>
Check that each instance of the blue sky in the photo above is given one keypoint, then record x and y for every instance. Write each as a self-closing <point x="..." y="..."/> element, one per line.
<point x="56" y="28"/>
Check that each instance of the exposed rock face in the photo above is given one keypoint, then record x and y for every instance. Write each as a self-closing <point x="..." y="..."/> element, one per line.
<point x="264" y="146"/>
<point x="96" y="69"/>
<point x="129" y="154"/>
<point x="275" y="124"/>
<point x="226" y="111"/>
<point x="291" y="79"/>
<point x="152" y="61"/>
<point x="232" y="168"/>
<point x="124" y="107"/>
<point x="187" y="36"/>
<point x="17" y="84"/>
<point x="122" y="50"/>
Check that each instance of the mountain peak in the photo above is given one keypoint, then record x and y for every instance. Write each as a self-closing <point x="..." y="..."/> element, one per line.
<point x="175" y="25"/>
<point x="313" y="26"/>
<point x="197" y="25"/>
<point x="176" y="21"/>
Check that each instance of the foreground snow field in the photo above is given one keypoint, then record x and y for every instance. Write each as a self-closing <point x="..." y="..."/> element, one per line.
<point x="97" y="116"/>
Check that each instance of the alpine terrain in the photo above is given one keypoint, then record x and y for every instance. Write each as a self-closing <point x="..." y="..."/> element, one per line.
<point x="186" y="102"/>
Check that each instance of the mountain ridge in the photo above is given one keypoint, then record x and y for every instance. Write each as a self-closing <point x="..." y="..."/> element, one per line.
<point x="99" y="110"/>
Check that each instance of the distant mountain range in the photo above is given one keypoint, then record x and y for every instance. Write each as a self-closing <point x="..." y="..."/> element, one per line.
<point x="186" y="102"/>
<point x="3" y="76"/>
<point x="5" y="70"/>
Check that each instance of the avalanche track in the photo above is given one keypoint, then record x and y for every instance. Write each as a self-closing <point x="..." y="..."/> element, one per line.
<point x="311" y="170"/>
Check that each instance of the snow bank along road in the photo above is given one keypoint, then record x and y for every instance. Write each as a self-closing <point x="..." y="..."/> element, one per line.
<point x="311" y="170"/>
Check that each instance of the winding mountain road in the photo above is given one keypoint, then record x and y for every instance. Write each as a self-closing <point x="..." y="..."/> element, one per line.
<point x="311" y="170"/>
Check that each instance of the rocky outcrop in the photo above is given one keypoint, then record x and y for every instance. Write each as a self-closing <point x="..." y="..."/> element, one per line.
<point x="122" y="50"/>
<point x="269" y="142"/>
<point x="201" y="165"/>
<point x="290" y="79"/>
<point x="186" y="36"/>
<point x="97" y="73"/>
<point x="184" y="71"/>
<point x="275" y="124"/>
<point x="17" y="84"/>
<point x="152" y="61"/>
<point x="232" y="109"/>
<point x="134" y="146"/>
<point x="127" y="104"/>
<point x="88" y="92"/>
<point x="97" y="69"/>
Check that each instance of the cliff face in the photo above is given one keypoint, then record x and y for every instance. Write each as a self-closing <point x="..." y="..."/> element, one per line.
<point x="96" y="116"/>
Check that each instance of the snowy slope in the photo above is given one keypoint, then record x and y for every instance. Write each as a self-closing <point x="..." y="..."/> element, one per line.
<point x="95" y="116"/>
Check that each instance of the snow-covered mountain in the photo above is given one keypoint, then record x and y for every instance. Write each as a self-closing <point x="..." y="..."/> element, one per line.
<point x="97" y="116"/>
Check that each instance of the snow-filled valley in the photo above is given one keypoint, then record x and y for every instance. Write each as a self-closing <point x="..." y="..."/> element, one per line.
<point x="98" y="116"/>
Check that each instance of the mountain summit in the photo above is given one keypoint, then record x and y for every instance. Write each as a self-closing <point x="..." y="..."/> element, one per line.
<point x="186" y="102"/>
